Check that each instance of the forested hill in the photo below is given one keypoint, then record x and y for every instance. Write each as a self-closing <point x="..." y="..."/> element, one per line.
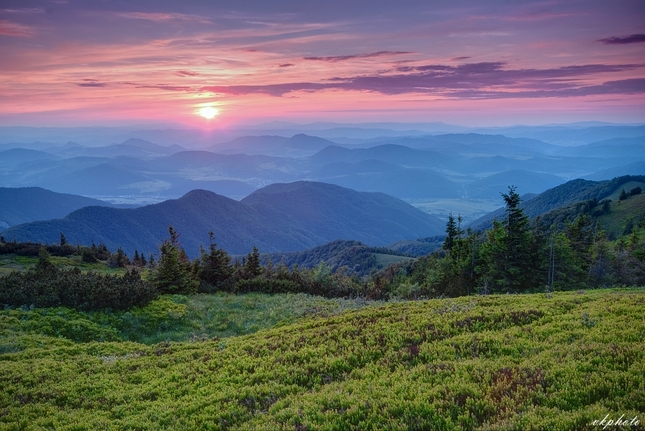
<point x="27" y="204"/>
<point x="565" y="195"/>
<point x="278" y="218"/>
<point x="358" y="258"/>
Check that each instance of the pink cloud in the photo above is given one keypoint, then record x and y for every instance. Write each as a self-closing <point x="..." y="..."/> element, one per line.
<point x="489" y="80"/>
<point x="8" y="28"/>
<point x="162" y="17"/>
<point x="24" y="11"/>
<point x="336" y="58"/>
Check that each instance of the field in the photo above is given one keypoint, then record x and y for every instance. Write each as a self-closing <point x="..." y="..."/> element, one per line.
<point x="540" y="361"/>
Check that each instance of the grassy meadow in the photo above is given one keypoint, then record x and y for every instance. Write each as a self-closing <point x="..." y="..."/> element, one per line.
<point x="295" y="362"/>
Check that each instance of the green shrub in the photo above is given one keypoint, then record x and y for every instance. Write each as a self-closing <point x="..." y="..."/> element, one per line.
<point x="265" y="285"/>
<point x="52" y="287"/>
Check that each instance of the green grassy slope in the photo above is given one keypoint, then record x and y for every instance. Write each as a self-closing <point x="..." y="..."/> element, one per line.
<point x="627" y="187"/>
<point x="497" y="362"/>
<point x="622" y="212"/>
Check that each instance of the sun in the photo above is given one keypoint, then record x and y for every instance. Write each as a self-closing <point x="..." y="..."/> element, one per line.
<point x="208" y="112"/>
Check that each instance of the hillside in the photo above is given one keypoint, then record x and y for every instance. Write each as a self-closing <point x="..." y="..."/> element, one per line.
<point x="358" y="258"/>
<point x="482" y="363"/>
<point x="17" y="156"/>
<point x="526" y="181"/>
<point x="624" y="215"/>
<point x="390" y="153"/>
<point x="331" y="210"/>
<point x="280" y="217"/>
<point x="374" y="175"/>
<point x="636" y="168"/>
<point x="27" y="204"/>
<point x="299" y="145"/>
<point x="565" y="195"/>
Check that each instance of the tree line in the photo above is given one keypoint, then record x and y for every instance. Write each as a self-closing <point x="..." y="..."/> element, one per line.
<point x="517" y="255"/>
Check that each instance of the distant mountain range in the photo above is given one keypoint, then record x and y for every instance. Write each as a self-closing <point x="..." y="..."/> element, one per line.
<point x="277" y="218"/>
<point x="299" y="145"/>
<point x="405" y="161"/>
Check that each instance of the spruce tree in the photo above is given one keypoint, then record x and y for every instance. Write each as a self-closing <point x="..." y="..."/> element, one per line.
<point x="451" y="234"/>
<point x="623" y="195"/>
<point x="216" y="270"/>
<point x="252" y="267"/>
<point x="508" y="265"/>
<point x="174" y="272"/>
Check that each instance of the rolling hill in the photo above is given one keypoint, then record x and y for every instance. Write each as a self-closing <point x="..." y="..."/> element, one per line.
<point x="27" y="204"/>
<point x="527" y="181"/>
<point x="390" y="153"/>
<point x="564" y="195"/>
<point x="17" y="156"/>
<point x="358" y="258"/>
<point x="394" y="180"/>
<point x="299" y="145"/>
<point x="277" y="218"/>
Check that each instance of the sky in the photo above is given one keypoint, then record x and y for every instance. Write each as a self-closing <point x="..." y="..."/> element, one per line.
<point x="472" y="63"/>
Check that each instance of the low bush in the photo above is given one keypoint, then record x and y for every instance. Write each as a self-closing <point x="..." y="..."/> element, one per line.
<point x="47" y="286"/>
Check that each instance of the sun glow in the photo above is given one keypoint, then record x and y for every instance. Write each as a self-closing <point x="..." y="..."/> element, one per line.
<point x="208" y="112"/>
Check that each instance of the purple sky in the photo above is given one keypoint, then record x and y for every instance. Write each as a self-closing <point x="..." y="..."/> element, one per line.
<point x="67" y="62"/>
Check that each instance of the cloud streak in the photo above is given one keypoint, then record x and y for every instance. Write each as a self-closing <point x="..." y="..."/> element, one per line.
<point x="476" y="80"/>
<point x="8" y="28"/>
<point x="90" y="83"/>
<point x="163" y="17"/>
<point x="634" y="38"/>
<point x="337" y="58"/>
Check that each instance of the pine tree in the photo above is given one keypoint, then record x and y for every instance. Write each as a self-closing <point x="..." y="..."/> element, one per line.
<point x="520" y="268"/>
<point x="174" y="272"/>
<point x="580" y="233"/>
<point x="508" y="265"/>
<point x="44" y="261"/>
<point x="451" y="234"/>
<point x="623" y="195"/>
<point x="215" y="269"/>
<point x="252" y="267"/>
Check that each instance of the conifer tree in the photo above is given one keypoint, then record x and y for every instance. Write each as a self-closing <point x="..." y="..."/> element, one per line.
<point x="451" y="234"/>
<point x="252" y="267"/>
<point x="174" y="272"/>
<point x="215" y="269"/>
<point x="44" y="261"/>
<point x="623" y="195"/>
<point x="507" y="262"/>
